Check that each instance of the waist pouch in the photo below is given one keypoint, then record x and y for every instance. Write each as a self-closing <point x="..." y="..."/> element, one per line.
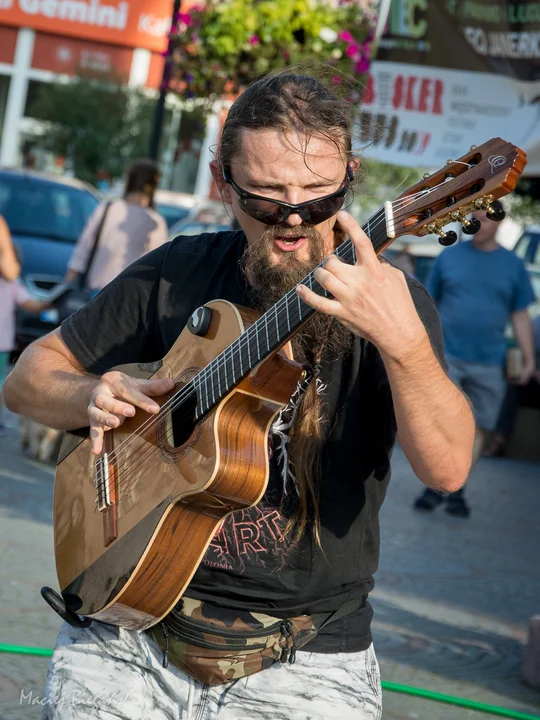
<point x="215" y="646"/>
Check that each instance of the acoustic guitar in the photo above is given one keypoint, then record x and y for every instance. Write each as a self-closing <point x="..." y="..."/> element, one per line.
<point x="132" y="525"/>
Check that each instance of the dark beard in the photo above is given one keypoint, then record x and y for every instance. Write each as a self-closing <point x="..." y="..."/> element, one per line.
<point x="322" y="337"/>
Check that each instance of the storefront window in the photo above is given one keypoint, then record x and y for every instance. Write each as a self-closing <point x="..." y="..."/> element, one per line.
<point x="182" y="175"/>
<point x="4" y="89"/>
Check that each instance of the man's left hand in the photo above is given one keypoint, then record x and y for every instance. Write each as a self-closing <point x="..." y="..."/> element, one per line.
<point x="370" y="298"/>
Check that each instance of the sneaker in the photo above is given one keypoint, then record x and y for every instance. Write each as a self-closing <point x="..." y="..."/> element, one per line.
<point x="428" y="500"/>
<point x="457" y="505"/>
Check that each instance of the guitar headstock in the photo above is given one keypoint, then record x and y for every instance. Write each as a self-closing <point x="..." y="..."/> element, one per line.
<point x="472" y="182"/>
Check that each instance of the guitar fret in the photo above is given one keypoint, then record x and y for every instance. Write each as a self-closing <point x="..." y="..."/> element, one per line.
<point x="207" y="393"/>
<point x="266" y="327"/>
<point x="277" y="321"/>
<point x="218" y="379"/>
<point x="232" y="368"/>
<point x="240" y="358"/>
<point x="259" y="356"/>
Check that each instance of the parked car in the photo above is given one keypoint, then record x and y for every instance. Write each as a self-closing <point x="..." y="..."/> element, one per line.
<point x="45" y="215"/>
<point x="422" y="252"/>
<point x="528" y="249"/>
<point x="206" y="216"/>
<point x="174" y="206"/>
<point x="197" y="228"/>
<point x="528" y="246"/>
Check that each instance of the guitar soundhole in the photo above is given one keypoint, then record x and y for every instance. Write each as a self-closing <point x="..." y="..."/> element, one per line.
<point x="181" y="422"/>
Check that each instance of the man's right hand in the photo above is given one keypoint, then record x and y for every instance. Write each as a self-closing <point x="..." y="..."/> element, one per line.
<point x="115" y="398"/>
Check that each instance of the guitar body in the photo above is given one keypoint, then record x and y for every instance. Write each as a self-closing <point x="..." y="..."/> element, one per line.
<point x="127" y="561"/>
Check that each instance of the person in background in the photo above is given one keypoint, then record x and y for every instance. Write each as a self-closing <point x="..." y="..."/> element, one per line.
<point x="9" y="264"/>
<point x="131" y="229"/>
<point x="516" y="396"/>
<point x="478" y="287"/>
<point x="12" y="295"/>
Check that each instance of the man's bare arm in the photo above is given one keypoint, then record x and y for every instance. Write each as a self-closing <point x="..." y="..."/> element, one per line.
<point x="435" y="423"/>
<point x="49" y="385"/>
<point x="523" y="331"/>
<point x="9" y="265"/>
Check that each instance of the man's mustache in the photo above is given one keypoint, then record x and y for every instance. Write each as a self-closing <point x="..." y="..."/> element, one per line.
<point x="286" y="231"/>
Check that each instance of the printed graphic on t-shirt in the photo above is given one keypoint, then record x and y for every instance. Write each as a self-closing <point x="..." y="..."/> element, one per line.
<point x="254" y="537"/>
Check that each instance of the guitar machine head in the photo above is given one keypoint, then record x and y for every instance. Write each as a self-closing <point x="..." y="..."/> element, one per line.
<point x="473" y="182"/>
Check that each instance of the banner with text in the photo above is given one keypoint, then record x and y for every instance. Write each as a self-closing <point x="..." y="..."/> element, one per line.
<point x="451" y="74"/>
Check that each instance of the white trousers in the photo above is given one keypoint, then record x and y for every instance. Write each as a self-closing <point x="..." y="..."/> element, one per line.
<point x="103" y="672"/>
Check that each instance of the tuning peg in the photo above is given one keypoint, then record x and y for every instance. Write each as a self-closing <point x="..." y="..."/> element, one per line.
<point x="471" y="227"/>
<point x="448" y="238"/>
<point x="495" y="215"/>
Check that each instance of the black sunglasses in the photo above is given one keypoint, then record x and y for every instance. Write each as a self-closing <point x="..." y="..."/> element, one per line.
<point x="274" y="212"/>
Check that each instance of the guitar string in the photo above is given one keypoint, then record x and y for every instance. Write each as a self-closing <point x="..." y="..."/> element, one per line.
<point x="191" y="388"/>
<point x="208" y="370"/>
<point x="178" y="400"/>
<point x="202" y="377"/>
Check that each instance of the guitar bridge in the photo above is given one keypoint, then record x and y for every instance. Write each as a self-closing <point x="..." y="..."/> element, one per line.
<point x="102" y="482"/>
<point x="105" y="482"/>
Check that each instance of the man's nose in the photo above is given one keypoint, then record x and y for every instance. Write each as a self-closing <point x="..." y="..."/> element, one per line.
<point x="294" y="220"/>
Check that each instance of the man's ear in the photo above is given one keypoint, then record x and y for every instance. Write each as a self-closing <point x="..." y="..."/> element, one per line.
<point x="355" y="163"/>
<point x="223" y="187"/>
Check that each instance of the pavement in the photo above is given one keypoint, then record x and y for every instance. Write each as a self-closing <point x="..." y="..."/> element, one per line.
<point x="452" y="599"/>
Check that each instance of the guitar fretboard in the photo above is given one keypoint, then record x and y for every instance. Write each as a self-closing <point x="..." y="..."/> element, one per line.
<point x="272" y="330"/>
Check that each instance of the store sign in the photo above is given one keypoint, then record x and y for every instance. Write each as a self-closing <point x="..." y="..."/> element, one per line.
<point x="452" y="74"/>
<point x="132" y="23"/>
<point x="61" y="55"/>
<point x="155" y="71"/>
<point x="8" y="40"/>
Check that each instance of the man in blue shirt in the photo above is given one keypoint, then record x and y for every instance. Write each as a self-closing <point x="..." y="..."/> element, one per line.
<point x="478" y="287"/>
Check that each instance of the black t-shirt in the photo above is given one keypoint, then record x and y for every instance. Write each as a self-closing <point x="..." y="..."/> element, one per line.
<point x="249" y="564"/>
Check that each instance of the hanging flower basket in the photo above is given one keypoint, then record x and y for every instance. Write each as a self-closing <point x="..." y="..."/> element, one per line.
<point x="221" y="46"/>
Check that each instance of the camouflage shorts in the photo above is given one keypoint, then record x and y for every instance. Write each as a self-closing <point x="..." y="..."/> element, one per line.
<point x="215" y="645"/>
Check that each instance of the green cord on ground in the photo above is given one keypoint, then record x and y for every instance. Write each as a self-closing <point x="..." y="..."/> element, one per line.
<point x="390" y="686"/>
<point x="22" y="650"/>
<point x="459" y="702"/>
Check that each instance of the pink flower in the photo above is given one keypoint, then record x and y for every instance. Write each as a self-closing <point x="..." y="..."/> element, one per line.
<point x="254" y="40"/>
<point x="287" y="55"/>
<point x="346" y="36"/>
<point x="352" y="50"/>
<point x="184" y="18"/>
<point x="336" y="80"/>
<point x="365" y="49"/>
<point x="362" y="65"/>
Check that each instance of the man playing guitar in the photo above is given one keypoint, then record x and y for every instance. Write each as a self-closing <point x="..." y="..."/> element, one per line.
<point x="372" y="356"/>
